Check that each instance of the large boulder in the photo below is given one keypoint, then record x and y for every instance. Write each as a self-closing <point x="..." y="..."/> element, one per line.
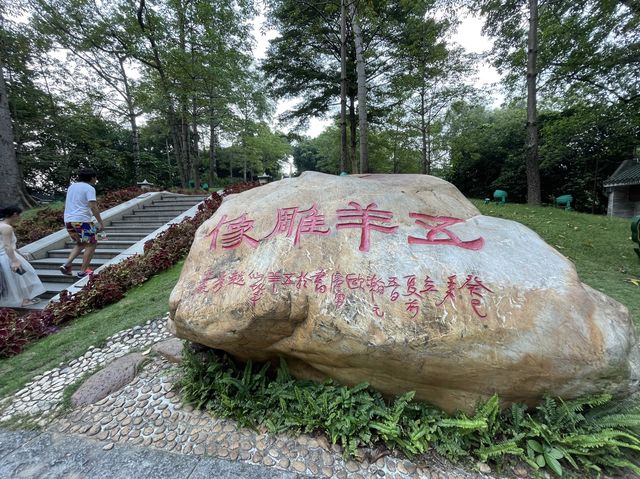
<point x="397" y="280"/>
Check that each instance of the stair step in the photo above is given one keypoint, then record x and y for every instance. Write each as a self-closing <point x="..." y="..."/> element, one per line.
<point x="134" y="224"/>
<point x="141" y="232"/>
<point x="55" y="287"/>
<point x="184" y="205"/>
<point x="55" y="276"/>
<point x="34" y="307"/>
<point x="99" y="253"/>
<point x="48" y="263"/>
<point x="192" y="198"/>
<point x="152" y="218"/>
<point x="154" y="212"/>
<point x="163" y="209"/>
<point x="122" y="237"/>
<point x="112" y="243"/>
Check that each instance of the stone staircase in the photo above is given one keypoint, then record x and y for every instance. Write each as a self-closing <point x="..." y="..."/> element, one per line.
<point x="122" y="233"/>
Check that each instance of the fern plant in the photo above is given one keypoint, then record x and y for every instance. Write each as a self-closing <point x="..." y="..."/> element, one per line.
<point x="568" y="438"/>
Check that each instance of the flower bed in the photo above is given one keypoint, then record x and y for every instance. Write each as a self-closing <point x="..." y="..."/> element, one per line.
<point x="112" y="283"/>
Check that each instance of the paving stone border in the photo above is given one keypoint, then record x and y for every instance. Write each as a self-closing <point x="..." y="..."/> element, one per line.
<point x="148" y="413"/>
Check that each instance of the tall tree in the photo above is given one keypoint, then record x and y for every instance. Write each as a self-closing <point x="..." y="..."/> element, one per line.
<point x="533" y="168"/>
<point x="362" y="88"/>
<point x="514" y="24"/>
<point x="429" y="77"/>
<point x="344" y="152"/>
<point x="11" y="182"/>
<point x="305" y="60"/>
<point x="12" y="188"/>
<point x="88" y="33"/>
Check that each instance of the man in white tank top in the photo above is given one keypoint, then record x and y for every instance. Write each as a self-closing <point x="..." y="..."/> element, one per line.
<point x="79" y="207"/>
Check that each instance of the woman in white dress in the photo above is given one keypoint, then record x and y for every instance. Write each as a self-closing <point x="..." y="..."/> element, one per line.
<point x="19" y="283"/>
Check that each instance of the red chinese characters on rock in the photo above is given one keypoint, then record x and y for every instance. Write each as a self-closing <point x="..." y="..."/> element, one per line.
<point x="366" y="220"/>
<point x="339" y="297"/>
<point x="257" y="286"/>
<point x="435" y="232"/>
<point x="475" y="288"/>
<point x="413" y="307"/>
<point x="232" y="233"/>
<point x="339" y="286"/>
<point x="308" y="221"/>
<point x="451" y="290"/>
<point x="210" y="282"/>
<point x="295" y="222"/>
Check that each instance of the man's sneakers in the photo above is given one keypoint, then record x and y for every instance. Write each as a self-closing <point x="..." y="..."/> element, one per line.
<point x="66" y="269"/>
<point x="82" y="274"/>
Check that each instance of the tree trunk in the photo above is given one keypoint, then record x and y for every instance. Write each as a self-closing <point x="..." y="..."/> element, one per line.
<point x="213" y="165"/>
<point x="429" y="148"/>
<point x="184" y="102"/>
<point x="395" y="150"/>
<point x="362" y="90"/>
<point x="131" y="113"/>
<point x="195" y="140"/>
<point x="595" y="187"/>
<point x="354" y="134"/>
<point x="12" y="190"/>
<point x="176" y="139"/>
<point x="533" y="169"/>
<point x="185" y="135"/>
<point x="343" y="87"/>
<point x="171" y="112"/>
<point x="244" y="167"/>
<point x="423" y="131"/>
<point x="169" y="167"/>
<point x="244" y="140"/>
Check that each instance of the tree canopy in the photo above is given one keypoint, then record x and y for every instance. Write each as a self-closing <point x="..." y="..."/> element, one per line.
<point x="170" y="91"/>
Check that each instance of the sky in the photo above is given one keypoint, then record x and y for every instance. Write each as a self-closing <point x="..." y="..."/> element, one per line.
<point x="468" y="35"/>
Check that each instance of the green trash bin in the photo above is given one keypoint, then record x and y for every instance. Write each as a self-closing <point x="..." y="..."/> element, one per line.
<point x="500" y="197"/>
<point x="564" y="200"/>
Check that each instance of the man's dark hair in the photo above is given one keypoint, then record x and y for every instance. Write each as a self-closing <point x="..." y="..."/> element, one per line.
<point x="9" y="211"/>
<point x="87" y="174"/>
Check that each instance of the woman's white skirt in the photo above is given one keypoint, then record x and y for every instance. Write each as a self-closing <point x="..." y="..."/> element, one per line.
<point x="18" y="287"/>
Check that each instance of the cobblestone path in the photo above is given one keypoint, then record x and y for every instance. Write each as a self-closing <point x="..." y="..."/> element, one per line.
<point x="148" y="413"/>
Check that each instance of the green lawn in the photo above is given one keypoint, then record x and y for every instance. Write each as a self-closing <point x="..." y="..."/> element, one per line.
<point x="56" y="205"/>
<point x="599" y="246"/>
<point x="145" y="302"/>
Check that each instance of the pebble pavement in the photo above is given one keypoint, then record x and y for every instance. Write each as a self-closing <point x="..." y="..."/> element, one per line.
<point x="148" y="413"/>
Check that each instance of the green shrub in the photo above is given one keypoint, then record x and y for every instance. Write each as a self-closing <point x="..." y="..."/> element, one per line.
<point x="565" y="437"/>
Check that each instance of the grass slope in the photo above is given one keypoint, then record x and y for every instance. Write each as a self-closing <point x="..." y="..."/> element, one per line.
<point x="147" y="301"/>
<point x="599" y="246"/>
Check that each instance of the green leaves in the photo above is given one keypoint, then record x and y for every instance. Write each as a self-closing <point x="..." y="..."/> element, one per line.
<point x="545" y="456"/>
<point x="584" y="434"/>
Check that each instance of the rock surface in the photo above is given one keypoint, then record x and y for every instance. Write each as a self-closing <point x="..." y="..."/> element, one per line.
<point x="397" y="280"/>
<point x="107" y="380"/>
<point x="171" y="350"/>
